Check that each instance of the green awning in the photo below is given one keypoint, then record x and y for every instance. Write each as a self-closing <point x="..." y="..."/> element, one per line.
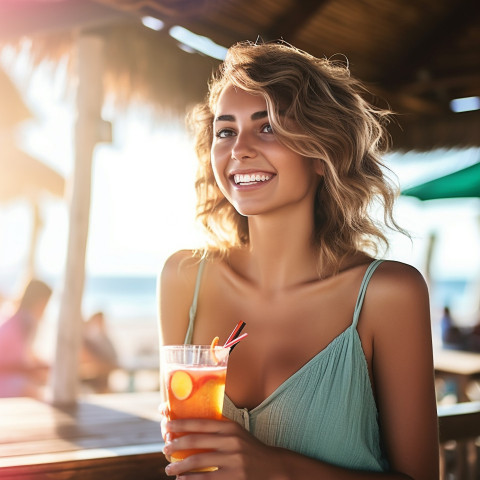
<point x="460" y="184"/>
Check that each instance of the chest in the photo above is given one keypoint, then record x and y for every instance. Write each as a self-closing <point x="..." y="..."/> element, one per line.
<point x="285" y="330"/>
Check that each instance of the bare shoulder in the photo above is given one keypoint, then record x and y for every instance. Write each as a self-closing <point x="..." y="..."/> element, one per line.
<point x="397" y="298"/>
<point x="396" y="280"/>
<point x="180" y="266"/>
<point x="399" y="270"/>
<point x="175" y="294"/>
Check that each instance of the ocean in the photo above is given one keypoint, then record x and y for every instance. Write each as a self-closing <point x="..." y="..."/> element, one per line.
<point x="123" y="298"/>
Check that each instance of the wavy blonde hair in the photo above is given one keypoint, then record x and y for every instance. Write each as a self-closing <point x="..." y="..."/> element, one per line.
<point x="336" y="124"/>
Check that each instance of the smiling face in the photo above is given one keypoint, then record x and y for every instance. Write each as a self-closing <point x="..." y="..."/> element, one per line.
<point x="253" y="169"/>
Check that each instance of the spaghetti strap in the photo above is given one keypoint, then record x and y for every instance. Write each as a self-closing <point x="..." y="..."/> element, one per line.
<point x="363" y="289"/>
<point x="193" y="308"/>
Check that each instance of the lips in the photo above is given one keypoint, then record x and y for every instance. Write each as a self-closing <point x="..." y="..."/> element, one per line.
<point x="251" y="178"/>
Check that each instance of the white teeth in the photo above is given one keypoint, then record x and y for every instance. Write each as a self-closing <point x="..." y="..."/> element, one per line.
<point x="244" y="179"/>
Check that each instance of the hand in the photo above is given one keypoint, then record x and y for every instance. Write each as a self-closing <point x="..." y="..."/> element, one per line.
<point x="237" y="454"/>
<point x="165" y="414"/>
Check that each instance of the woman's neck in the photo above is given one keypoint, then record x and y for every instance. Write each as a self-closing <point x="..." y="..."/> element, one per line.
<point x="280" y="252"/>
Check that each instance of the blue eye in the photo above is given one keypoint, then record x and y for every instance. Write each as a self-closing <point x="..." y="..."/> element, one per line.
<point x="224" y="132"/>
<point x="267" y="128"/>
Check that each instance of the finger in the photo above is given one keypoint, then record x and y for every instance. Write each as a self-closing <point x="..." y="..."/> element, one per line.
<point x="165" y="417"/>
<point x="218" y="475"/>
<point x="163" y="428"/>
<point x="166" y="453"/>
<point x="163" y="409"/>
<point x="194" y="441"/>
<point x="208" y="443"/>
<point x="201" y="461"/>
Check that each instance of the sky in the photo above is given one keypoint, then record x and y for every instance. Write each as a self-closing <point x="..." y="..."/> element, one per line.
<point x="142" y="204"/>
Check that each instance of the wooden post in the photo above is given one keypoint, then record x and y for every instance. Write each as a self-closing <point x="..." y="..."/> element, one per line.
<point x="36" y="226"/>
<point x="432" y="242"/>
<point x="89" y="104"/>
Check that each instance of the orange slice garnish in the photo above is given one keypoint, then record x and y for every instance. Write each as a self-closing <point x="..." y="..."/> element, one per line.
<point x="212" y="349"/>
<point x="181" y="384"/>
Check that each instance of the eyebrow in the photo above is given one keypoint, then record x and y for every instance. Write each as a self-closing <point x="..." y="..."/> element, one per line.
<point x="231" y="118"/>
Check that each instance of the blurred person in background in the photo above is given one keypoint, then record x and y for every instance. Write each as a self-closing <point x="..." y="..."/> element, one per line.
<point x="98" y="357"/>
<point x="22" y="372"/>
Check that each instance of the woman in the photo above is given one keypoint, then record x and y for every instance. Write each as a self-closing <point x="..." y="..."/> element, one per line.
<point x="335" y="379"/>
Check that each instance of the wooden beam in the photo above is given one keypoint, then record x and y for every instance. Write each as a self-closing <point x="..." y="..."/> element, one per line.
<point x="429" y="42"/>
<point x="427" y="132"/>
<point x="292" y="20"/>
<point x="402" y="102"/>
<point x="463" y="81"/>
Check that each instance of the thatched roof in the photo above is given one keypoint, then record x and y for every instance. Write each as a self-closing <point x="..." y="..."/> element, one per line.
<point x="13" y="109"/>
<point x="23" y="176"/>
<point x="414" y="56"/>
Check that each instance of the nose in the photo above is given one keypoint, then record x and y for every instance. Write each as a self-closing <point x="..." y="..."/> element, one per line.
<point x="244" y="146"/>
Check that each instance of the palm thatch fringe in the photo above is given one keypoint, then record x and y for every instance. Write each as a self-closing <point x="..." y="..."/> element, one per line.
<point x="141" y="66"/>
<point x="13" y="109"/>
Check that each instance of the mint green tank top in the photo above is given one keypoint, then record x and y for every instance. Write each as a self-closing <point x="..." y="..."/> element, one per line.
<point x="326" y="410"/>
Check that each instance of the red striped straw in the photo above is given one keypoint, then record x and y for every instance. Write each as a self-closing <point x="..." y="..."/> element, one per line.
<point x="236" y="332"/>
<point x="234" y="337"/>
<point x="233" y="342"/>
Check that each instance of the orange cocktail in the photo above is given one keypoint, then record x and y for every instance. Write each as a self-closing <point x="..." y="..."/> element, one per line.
<point x="194" y="381"/>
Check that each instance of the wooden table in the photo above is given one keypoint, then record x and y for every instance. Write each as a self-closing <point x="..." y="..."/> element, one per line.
<point x="111" y="437"/>
<point x="459" y="422"/>
<point x="462" y="367"/>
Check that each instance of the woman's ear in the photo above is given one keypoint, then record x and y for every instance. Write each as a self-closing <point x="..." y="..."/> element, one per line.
<point x="318" y="166"/>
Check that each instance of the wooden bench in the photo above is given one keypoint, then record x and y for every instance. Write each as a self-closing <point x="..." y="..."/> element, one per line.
<point x="105" y="436"/>
<point x="459" y="427"/>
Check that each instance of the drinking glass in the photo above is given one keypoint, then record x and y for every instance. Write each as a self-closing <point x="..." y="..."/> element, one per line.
<point x="193" y="378"/>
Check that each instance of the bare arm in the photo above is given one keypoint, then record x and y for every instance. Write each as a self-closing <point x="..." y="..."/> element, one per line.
<point x="175" y="294"/>
<point x="398" y="311"/>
